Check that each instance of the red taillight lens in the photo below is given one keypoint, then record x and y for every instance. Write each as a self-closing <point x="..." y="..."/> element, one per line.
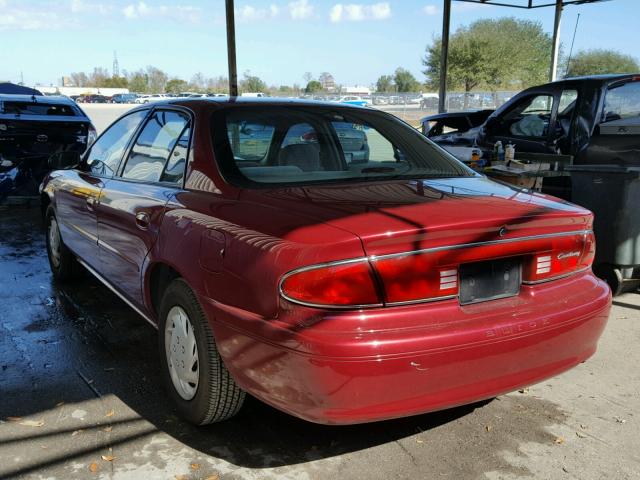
<point x="341" y="285"/>
<point x="566" y="255"/>
<point x="416" y="277"/>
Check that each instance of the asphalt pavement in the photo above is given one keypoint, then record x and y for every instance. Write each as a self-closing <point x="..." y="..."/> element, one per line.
<point x="80" y="398"/>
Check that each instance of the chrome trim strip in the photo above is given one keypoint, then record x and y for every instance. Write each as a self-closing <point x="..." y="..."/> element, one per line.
<point x="83" y="232"/>
<point x="110" y="287"/>
<point x="421" y="300"/>
<point x="565" y="275"/>
<point x="373" y="258"/>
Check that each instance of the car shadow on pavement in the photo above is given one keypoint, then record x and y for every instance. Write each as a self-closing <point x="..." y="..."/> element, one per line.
<point x="67" y="352"/>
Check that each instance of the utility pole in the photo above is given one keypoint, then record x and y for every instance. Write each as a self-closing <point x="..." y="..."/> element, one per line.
<point x="231" y="49"/>
<point x="444" y="55"/>
<point x="556" y="42"/>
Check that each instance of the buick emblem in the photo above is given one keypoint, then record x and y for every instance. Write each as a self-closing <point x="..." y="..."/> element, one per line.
<point x="42" y="138"/>
<point x="503" y="231"/>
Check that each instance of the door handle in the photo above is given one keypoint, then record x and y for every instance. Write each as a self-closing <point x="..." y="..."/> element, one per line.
<point x="91" y="202"/>
<point x="143" y="220"/>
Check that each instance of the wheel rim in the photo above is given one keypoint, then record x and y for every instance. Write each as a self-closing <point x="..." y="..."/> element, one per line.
<point x="182" y="353"/>
<point x="54" y="242"/>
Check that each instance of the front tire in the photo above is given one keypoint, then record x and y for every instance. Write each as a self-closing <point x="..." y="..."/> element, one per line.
<point x="61" y="260"/>
<point x="193" y="371"/>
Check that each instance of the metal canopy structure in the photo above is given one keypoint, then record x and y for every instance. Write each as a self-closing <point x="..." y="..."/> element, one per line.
<point x="523" y="4"/>
<point x="446" y="22"/>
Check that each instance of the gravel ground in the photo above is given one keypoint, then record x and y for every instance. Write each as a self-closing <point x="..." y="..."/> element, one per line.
<point x="80" y="398"/>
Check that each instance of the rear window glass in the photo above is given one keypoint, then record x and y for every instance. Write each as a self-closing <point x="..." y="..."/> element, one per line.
<point x="622" y="101"/>
<point x="33" y="108"/>
<point x="295" y="145"/>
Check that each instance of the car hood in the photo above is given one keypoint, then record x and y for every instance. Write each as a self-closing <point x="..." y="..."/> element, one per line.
<point x="397" y="216"/>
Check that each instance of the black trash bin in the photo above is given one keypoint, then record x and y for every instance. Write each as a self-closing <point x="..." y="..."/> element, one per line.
<point x="612" y="193"/>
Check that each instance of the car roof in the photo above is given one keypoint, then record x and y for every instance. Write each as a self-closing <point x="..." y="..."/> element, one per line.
<point x="48" y="99"/>
<point x="254" y="101"/>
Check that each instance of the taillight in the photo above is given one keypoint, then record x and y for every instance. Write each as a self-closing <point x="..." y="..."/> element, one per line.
<point x="349" y="284"/>
<point x="416" y="277"/>
<point x="567" y="255"/>
<point x="432" y="274"/>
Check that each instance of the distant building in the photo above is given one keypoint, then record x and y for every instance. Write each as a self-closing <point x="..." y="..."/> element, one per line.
<point x="69" y="91"/>
<point x="356" y="90"/>
<point x="67" y="82"/>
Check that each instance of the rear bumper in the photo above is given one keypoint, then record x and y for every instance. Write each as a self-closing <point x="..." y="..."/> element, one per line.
<point x="353" y="367"/>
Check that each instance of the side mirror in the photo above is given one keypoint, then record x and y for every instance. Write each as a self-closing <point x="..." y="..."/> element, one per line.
<point x="63" y="160"/>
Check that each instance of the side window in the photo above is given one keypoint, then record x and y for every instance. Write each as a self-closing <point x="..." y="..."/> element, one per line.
<point x="529" y="117"/>
<point x="153" y="146"/>
<point x="567" y="100"/>
<point x="249" y="142"/>
<point x="174" y="171"/>
<point x="106" y="153"/>
<point x="622" y="101"/>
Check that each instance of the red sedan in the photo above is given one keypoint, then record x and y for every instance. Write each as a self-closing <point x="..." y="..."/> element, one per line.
<point x="327" y="259"/>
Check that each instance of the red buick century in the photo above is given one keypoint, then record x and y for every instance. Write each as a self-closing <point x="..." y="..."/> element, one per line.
<point x="324" y="258"/>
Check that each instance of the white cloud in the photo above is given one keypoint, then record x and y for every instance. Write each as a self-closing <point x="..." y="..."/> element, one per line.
<point x="249" y="13"/>
<point x="20" y="17"/>
<point x="181" y="12"/>
<point x="80" y="6"/>
<point x="300" y="9"/>
<point x="431" y="10"/>
<point x="357" y="12"/>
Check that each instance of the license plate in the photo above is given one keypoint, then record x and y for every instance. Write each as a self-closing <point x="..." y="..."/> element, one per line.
<point x="489" y="280"/>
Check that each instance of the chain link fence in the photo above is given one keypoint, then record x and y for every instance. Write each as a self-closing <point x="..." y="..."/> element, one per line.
<point x="411" y="107"/>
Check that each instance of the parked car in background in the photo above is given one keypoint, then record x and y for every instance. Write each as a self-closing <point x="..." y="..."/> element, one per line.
<point x="272" y="265"/>
<point x="429" y="101"/>
<point x="570" y="116"/>
<point x="93" y="98"/>
<point x="32" y="127"/>
<point x="124" y="98"/>
<point x="141" y="99"/>
<point x="353" y="100"/>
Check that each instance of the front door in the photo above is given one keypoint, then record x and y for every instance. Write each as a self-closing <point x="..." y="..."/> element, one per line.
<point x="529" y="125"/>
<point x="132" y="203"/>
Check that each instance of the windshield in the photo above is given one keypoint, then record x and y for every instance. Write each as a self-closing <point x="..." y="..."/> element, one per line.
<point x="298" y="145"/>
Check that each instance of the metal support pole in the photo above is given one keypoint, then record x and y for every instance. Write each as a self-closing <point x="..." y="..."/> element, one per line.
<point x="231" y="49"/>
<point x="555" y="47"/>
<point x="444" y="55"/>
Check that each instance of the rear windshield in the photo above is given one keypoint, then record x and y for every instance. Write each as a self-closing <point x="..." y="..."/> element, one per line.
<point x="295" y="145"/>
<point x="33" y="108"/>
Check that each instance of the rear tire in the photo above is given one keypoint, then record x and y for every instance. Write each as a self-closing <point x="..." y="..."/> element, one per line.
<point x="193" y="371"/>
<point x="61" y="260"/>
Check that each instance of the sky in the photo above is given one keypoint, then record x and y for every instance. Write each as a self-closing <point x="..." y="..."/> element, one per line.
<point x="277" y="40"/>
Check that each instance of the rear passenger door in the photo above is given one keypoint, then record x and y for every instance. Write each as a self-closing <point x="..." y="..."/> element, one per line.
<point x="133" y="202"/>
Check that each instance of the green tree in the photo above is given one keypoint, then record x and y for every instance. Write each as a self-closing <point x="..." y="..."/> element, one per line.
<point x="385" y="84"/>
<point x="139" y="82"/>
<point x="405" y="81"/>
<point x="176" y="85"/>
<point x="116" y="82"/>
<point x="313" y="86"/>
<point x="493" y="54"/>
<point x="598" y="61"/>
<point x="252" y="83"/>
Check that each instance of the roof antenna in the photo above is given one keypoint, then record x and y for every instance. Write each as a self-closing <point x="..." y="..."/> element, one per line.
<point x="566" y="72"/>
